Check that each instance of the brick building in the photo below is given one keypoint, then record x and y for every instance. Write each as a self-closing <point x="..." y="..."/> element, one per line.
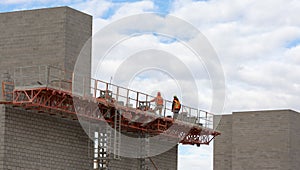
<point x="258" y="140"/>
<point x="32" y="140"/>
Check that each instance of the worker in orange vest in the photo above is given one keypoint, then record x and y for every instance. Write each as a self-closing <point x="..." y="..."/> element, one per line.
<point x="159" y="103"/>
<point x="176" y="107"/>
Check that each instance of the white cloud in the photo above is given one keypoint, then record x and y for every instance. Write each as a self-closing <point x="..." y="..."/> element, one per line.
<point x="94" y="7"/>
<point x="293" y="55"/>
<point x="251" y="39"/>
<point x="118" y="10"/>
<point x="194" y="158"/>
<point x="128" y="9"/>
<point x="187" y="63"/>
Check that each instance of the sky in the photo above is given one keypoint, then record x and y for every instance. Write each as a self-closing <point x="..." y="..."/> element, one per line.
<point x="257" y="43"/>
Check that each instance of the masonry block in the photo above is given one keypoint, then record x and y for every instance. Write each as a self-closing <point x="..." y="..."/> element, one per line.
<point x="258" y="140"/>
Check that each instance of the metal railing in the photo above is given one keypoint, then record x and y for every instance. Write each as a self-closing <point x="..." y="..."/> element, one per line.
<point x="90" y="88"/>
<point x="138" y="100"/>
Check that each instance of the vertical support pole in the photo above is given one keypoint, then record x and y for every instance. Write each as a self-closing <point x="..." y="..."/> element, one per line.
<point x="95" y="88"/>
<point x="206" y="119"/>
<point x="106" y="91"/>
<point x="117" y="134"/>
<point x="117" y="95"/>
<point x="106" y="86"/>
<point x="127" y="97"/>
<point x="212" y="121"/>
<point x="137" y="100"/>
<point x="146" y="98"/>
<point x="147" y="101"/>
<point x="89" y="154"/>
<point x="165" y="108"/>
<point x="198" y="116"/>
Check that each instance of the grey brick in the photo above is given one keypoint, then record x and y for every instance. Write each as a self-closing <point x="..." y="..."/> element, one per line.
<point x="29" y="140"/>
<point x="258" y="140"/>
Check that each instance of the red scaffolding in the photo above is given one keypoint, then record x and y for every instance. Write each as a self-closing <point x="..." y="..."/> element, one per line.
<point x="103" y="101"/>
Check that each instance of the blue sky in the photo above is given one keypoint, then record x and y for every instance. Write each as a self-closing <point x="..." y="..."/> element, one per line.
<point x="258" y="44"/>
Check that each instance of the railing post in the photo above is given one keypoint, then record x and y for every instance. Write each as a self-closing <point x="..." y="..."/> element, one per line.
<point x="106" y="86"/>
<point x="106" y="91"/>
<point x="206" y="119"/>
<point x="146" y="98"/>
<point x="212" y="121"/>
<point x="198" y="116"/>
<point x="165" y="108"/>
<point x="137" y="100"/>
<point x="117" y="95"/>
<point x="95" y="88"/>
<point x="127" y="97"/>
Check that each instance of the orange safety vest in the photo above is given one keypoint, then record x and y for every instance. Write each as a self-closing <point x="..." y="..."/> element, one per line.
<point x="159" y="100"/>
<point x="177" y="105"/>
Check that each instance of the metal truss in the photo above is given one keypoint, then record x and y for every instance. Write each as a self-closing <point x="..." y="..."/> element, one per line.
<point x="63" y="103"/>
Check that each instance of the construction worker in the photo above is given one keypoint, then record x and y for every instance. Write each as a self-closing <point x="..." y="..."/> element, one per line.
<point x="176" y="107"/>
<point x="159" y="103"/>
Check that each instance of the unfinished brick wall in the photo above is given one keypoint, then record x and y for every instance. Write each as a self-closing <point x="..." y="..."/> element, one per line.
<point x="258" y="140"/>
<point x="164" y="161"/>
<point x="42" y="141"/>
<point x="50" y="36"/>
<point x="223" y="144"/>
<point x="2" y="121"/>
<point x="31" y="140"/>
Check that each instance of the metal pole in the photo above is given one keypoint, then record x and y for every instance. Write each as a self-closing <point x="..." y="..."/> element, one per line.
<point x="127" y="97"/>
<point x="137" y="100"/>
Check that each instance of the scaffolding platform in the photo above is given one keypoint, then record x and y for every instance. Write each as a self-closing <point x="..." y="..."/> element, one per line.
<point x="50" y="90"/>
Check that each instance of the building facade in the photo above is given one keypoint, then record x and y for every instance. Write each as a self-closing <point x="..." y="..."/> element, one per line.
<point x="258" y="140"/>
<point x="38" y="140"/>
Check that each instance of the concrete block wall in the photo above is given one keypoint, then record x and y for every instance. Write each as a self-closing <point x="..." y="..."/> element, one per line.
<point x="2" y="125"/>
<point x="167" y="160"/>
<point x="132" y="147"/>
<point x="79" y="30"/>
<point x="41" y="141"/>
<point x="164" y="161"/>
<point x="259" y="140"/>
<point x="31" y="140"/>
<point x="294" y="142"/>
<point x="51" y="36"/>
<point x="223" y="144"/>
<point x="33" y="38"/>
